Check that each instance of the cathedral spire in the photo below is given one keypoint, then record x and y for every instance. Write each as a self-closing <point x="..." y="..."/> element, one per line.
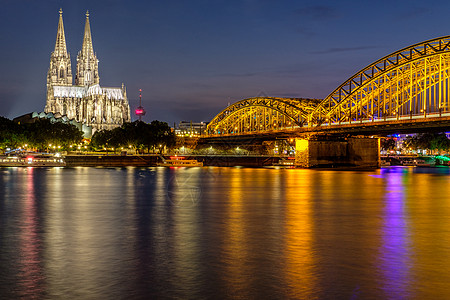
<point x="60" y="70"/>
<point x="60" y="45"/>
<point x="87" y="63"/>
<point x="87" y="48"/>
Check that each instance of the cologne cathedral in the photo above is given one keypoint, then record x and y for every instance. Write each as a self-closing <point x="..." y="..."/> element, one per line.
<point x="85" y="101"/>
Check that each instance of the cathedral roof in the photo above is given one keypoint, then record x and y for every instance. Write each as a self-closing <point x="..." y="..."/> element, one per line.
<point x="82" y="91"/>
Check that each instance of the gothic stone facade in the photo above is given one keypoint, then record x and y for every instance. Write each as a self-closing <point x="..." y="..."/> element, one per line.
<point x="86" y="101"/>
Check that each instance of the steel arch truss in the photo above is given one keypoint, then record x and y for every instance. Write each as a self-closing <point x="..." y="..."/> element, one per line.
<point x="262" y="114"/>
<point x="410" y="83"/>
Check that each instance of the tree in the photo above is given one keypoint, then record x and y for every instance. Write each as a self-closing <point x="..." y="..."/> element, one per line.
<point x="11" y="135"/>
<point x="38" y="135"/>
<point x="42" y="133"/>
<point x="102" y="139"/>
<point x="388" y="144"/>
<point x="428" y="141"/>
<point x="137" y="134"/>
<point x="410" y="142"/>
<point x="161" y="135"/>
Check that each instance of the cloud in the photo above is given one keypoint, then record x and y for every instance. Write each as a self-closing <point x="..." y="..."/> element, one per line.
<point x="318" y="12"/>
<point x="343" y="49"/>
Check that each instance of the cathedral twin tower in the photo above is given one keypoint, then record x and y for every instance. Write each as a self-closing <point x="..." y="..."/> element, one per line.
<point x="85" y="101"/>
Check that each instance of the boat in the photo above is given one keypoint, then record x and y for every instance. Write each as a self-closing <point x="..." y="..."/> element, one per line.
<point x="417" y="162"/>
<point x="408" y="161"/>
<point x="424" y="163"/>
<point x="385" y="163"/>
<point x="32" y="160"/>
<point x="285" y="163"/>
<point x="179" y="161"/>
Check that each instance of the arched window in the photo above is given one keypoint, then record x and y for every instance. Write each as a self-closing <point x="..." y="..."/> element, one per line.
<point x="87" y="77"/>
<point x="61" y="73"/>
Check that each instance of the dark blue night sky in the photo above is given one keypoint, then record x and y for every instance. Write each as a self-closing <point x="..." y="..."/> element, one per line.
<point x="191" y="58"/>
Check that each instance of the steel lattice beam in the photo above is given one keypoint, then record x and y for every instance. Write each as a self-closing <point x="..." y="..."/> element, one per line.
<point x="293" y="111"/>
<point x="364" y="80"/>
<point x="413" y="83"/>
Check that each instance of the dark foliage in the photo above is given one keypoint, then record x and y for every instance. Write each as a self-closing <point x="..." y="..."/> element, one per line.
<point x="431" y="141"/>
<point x="38" y="135"/>
<point x="139" y="135"/>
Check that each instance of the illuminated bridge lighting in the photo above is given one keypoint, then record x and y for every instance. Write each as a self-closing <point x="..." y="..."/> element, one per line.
<point x="409" y="85"/>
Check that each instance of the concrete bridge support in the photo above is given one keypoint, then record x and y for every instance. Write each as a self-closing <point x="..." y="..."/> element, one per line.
<point x="334" y="153"/>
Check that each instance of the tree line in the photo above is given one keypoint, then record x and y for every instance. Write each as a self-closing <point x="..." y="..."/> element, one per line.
<point x="42" y="133"/>
<point x="425" y="141"/>
<point x="144" y="137"/>
<point x="38" y="135"/>
<point x="431" y="141"/>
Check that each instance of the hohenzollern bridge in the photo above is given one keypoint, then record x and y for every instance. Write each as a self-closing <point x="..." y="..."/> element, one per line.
<point x="405" y="91"/>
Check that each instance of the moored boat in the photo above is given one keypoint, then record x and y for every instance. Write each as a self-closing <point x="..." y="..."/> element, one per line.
<point x="285" y="163"/>
<point x="179" y="161"/>
<point x="32" y="160"/>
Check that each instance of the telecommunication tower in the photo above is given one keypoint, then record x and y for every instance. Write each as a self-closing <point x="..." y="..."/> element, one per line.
<point x="140" y="111"/>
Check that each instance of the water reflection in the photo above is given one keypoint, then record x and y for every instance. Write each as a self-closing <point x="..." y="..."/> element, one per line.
<point x="32" y="278"/>
<point x="224" y="233"/>
<point x="184" y="194"/>
<point x="235" y="251"/>
<point x="395" y="256"/>
<point x="301" y="269"/>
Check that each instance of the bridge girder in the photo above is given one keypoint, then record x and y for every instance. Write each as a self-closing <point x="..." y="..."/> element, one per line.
<point x="262" y="114"/>
<point x="413" y="83"/>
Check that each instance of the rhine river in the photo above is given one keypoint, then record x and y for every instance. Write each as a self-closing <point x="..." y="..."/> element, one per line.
<point x="224" y="233"/>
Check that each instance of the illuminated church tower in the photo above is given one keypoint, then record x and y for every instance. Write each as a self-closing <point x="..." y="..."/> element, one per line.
<point x="86" y="102"/>
<point x="87" y="63"/>
<point x="60" y="71"/>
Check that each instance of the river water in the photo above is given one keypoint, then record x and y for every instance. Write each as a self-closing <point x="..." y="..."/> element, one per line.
<point x="224" y="233"/>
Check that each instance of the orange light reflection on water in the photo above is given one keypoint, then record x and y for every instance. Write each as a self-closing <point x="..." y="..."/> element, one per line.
<point x="235" y="252"/>
<point x="300" y="266"/>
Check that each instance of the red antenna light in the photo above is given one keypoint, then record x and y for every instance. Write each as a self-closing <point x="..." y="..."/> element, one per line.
<point x="140" y="111"/>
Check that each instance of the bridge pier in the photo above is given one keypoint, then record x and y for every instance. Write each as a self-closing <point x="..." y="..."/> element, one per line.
<point x="337" y="152"/>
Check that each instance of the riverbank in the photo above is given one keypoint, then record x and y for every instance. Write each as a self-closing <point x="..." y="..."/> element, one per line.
<point x="152" y="159"/>
<point x="111" y="160"/>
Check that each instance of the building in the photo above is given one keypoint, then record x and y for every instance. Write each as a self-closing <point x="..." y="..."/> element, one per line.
<point x="85" y="101"/>
<point x="192" y="129"/>
<point x="54" y="118"/>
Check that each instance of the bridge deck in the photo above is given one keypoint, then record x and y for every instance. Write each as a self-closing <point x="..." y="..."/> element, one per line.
<point x="411" y="124"/>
